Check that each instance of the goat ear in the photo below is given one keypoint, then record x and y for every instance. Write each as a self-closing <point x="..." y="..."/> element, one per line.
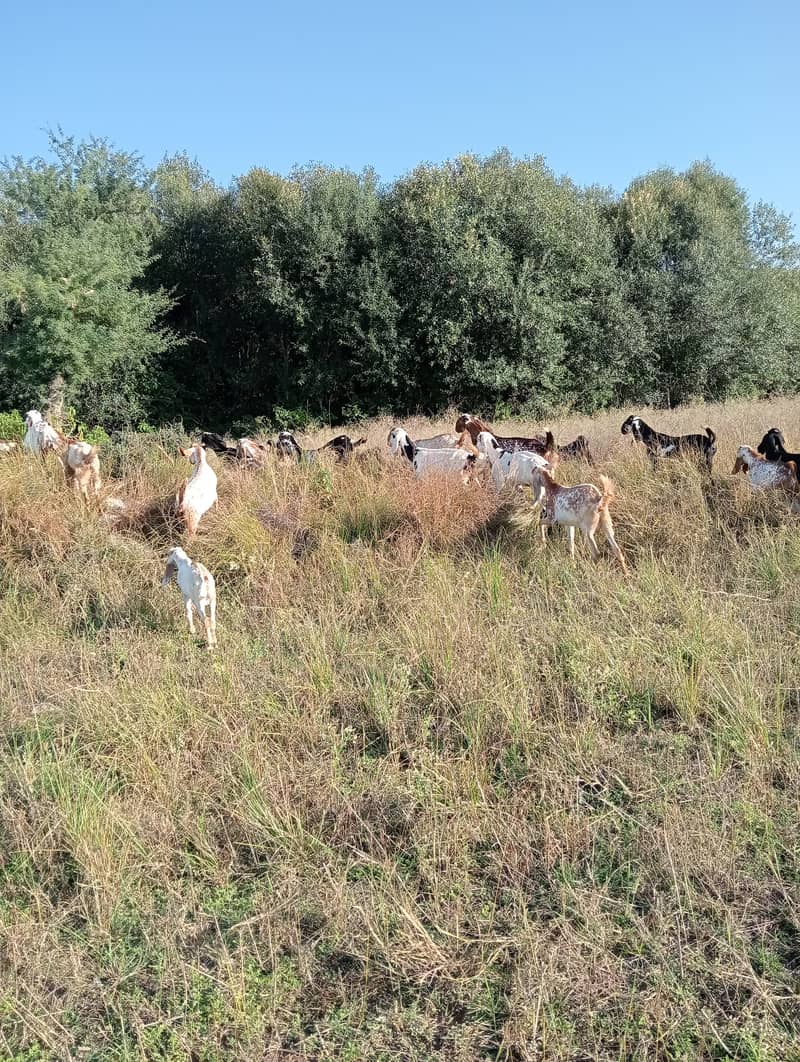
<point x="183" y="452"/>
<point x="738" y="466"/>
<point x="169" y="571"/>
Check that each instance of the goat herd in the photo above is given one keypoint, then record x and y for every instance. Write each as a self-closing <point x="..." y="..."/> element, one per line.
<point x="472" y="452"/>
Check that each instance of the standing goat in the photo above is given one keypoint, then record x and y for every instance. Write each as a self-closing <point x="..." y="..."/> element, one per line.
<point x="196" y="583"/>
<point x="511" y="466"/>
<point x="425" y="461"/>
<point x="535" y="444"/>
<point x="199" y="492"/>
<point x="584" y="506"/>
<point x="658" y="444"/>
<point x="80" y="460"/>
<point x="82" y="466"/>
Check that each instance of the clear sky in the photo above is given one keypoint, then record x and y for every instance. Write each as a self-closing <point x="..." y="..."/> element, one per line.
<point x="605" y="91"/>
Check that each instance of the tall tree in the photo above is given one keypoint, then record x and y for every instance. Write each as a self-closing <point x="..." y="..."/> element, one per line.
<point x="75" y="239"/>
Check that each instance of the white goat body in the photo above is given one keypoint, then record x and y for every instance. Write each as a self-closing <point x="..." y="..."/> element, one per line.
<point x="427" y="461"/>
<point x="199" y="492"/>
<point x="199" y="592"/>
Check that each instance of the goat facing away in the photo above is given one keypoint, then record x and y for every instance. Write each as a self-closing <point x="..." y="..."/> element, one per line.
<point x="511" y="466"/>
<point x="196" y="583"/>
<point x="341" y="447"/>
<point x="454" y="461"/>
<point x="199" y="492"/>
<point x="82" y="466"/>
<point x="767" y="475"/>
<point x="658" y="444"/>
<point x="773" y="447"/>
<point x="584" y="506"/>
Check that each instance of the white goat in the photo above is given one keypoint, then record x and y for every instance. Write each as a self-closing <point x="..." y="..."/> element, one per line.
<point x="196" y="583"/>
<point x="584" y="506"/>
<point x="511" y="466"/>
<point x="41" y="436"/>
<point x="8" y="446"/>
<point x="425" y="462"/>
<point x="199" y="492"/>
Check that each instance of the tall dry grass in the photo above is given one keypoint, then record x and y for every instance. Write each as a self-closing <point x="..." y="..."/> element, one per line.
<point x="440" y="793"/>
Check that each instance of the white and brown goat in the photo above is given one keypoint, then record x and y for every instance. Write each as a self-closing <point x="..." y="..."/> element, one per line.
<point x="584" y="506"/>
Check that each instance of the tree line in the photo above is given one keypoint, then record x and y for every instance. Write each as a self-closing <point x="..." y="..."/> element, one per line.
<point x="484" y="283"/>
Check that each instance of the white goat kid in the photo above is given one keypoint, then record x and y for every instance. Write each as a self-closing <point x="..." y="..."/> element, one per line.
<point x="196" y="583"/>
<point x="424" y="462"/>
<point x="511" y="466"/>
<point x="199" y="492"/>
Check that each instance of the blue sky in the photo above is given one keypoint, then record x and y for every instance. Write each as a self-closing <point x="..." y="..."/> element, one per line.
<point x="604" y="91"/>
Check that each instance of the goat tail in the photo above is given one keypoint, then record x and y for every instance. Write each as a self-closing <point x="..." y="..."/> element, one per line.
<point x="712" y="438"/>
<point x="549" y="441"/>
<point x="609" y="494"/>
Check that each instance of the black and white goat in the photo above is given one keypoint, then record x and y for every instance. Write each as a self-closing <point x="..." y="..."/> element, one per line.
<point x="424" y="461"/>
<point x="341" y="447"/>
<point x="658" y="444"/>
<point x="247" y="451"/>
<point x="773" y="447"/>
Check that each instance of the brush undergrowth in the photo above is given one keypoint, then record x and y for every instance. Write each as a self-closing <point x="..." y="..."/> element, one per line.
<point x="439" y="794"/>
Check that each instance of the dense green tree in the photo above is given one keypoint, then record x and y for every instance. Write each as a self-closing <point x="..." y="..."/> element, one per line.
<point x="486" y="283"/>
<point x="75" y="239"/>
<point x="703" y="272"/>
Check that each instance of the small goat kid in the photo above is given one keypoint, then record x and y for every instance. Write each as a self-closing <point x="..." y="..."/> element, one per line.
<point x="196" y="583"/>
<point x="584" y="506"/>
<point x="199" y="492"/>
<point x="658" y="444"/>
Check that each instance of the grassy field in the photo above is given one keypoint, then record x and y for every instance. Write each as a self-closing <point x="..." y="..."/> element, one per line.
<point x="440" y="793"/>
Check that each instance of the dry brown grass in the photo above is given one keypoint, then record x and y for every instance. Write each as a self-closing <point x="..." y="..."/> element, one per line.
<point x="439" y="794"/>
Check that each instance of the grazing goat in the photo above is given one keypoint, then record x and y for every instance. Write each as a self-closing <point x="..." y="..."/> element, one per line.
<point x="659" y="445"/>
<point x="247" y="451"/>
<point x="82" y="466"/>
<point x="584" y="506"/>
<point x="199" y="592"/>
<point x="536" y="444"/>
<point x="763" y="474"/>
<point x="773" y="447"/>
<point x="511" y="466"/>
<point x="341" y="447"/>
<point x="199" y="492"/>
<point x="212" y="441"/>
<point x="426" y="461"/>
<point x="250" y="452"/>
